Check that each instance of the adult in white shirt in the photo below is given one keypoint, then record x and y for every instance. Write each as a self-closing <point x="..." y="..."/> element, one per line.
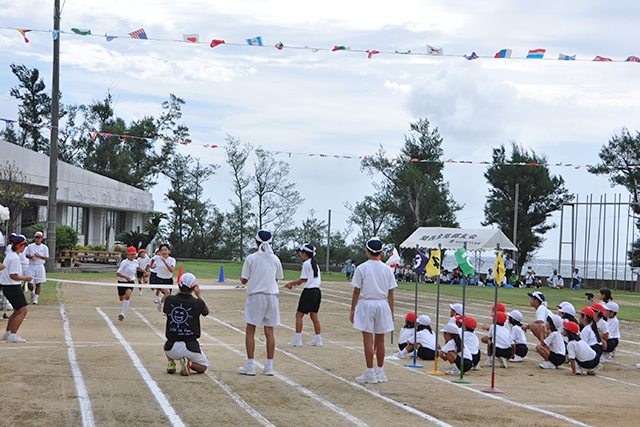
<point x="490" y="279"/>
<point x="576" y="279"/>
<point x="11" y="280"/>
<point x="509" y="264"/>
<point x="529" y="277"/>
<point x="37" y="254"/>
<point x="261" y="272"/>
<point x="555" y="280"/>
<point x="538" y="327"/>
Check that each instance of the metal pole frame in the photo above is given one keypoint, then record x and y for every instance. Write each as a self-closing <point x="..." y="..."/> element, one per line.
<point x="415" y="327"/>
<point x="492" y="389"/>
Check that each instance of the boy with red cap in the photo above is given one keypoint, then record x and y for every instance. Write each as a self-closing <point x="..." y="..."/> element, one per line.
<point x="126" y="275"/>
<point x="11" y="283"/>
<point x="37" y="254"/>
<point x="504" y="342"/>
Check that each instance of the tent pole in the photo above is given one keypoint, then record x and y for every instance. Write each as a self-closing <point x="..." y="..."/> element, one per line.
<point x="415" y="327"/>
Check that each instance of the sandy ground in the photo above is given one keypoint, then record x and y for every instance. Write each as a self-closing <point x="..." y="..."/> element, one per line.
<point x="106" y="372"/>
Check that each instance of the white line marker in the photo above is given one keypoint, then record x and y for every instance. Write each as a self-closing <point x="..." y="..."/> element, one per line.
<point x="157" y="393"/>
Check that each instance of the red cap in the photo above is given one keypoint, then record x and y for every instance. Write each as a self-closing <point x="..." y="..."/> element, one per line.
<point x="502" y="316"/>
<point x="589" y="312"/>
<point x="598" y="307"/>
<point x="141" y="250"/>
<point x="571" y="326"/>
<point x="469" y="321"/>
<point x="411" y="317"/>
<point x="500" y="307"/>
<point x="131" y="250"/>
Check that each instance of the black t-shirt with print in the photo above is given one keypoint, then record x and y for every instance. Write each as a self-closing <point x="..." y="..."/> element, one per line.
<point x="183" y="316"/>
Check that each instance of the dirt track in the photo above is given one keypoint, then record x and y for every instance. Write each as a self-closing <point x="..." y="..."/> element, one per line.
<point x="313" y="386"/>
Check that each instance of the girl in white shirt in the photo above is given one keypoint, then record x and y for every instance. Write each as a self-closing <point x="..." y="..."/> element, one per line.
<point x="164" y="266"/>
<point x="425" y="339"/>
<point x="589" y="333"/>
<point x="310" y="298"/>
<point x="614" y="328"/>
<point x="407" y="331"/>
<point x="451" y="350"/>
<point x="579" y="353"/>
<point x="518" y="336"/>
<point x="553" y="349"/>
<point x="127" y="275"/>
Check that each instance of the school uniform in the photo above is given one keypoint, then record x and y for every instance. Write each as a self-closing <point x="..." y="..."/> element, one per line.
<point x="373" y="313"/>
<point x="311" y="296"/>
<point x="262" y="272"/>
<point x="472" y="343"/>
<point x="12" y="289"/>
<point x="403" y="337"/>
<point x="466" y="355"/>
<point x="520" y="340"/>
<point x="427" y="341"/>
<point x="557" y="347"/>
<point x="143" y="263"/>
<point x="587" y="335"/>
<point x="542" y="312"/>
<point x="503" y="341"/>
<point x="153" y="273"/>
<point x="35" y="267"/>
<point x="164" y="276"/>
<point x="127" y="268"/>
<point x="614" y="333"/>
<point x="583" y="354"/>
<point x="603" y="327"/>
<point x="24" y="261"/>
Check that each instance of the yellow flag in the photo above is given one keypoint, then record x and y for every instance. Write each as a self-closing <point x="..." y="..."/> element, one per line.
<point x="433" y="266"/>
<point x="500" y="270"/>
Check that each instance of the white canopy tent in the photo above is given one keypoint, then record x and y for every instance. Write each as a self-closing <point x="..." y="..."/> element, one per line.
<point x="485" y="239"/>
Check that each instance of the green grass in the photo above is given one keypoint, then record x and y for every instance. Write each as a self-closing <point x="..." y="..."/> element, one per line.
<point x="629" y="302"/>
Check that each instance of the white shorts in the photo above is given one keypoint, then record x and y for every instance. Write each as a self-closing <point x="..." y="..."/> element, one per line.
<point x="179" y="350"/>
<point x="38" y="273"/>
<point x="262" y="309"/>
<point x="373" y="316"/>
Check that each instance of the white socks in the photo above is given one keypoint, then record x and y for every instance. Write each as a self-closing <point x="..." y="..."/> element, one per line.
<point x="380" y="370"/>
<point x="125" y="305"/>
<point x="298" y="336"/>
<point x="250" y="363"/>
<point x="269" y="363"/>
<point x="370" y="372"/>
<point x="318" y="337"/>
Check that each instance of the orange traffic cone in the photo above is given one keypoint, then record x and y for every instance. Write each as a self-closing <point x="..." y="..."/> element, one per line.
<point x="179" y="273"/>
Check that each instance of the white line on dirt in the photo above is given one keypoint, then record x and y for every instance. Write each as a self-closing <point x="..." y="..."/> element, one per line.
<point x="155" y="390"/>
<point x="239" y="400"/>
<point x="363" y="388"/>
<point x="83" y="396"/>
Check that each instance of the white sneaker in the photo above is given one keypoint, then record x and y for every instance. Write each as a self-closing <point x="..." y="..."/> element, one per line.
<point x="315" y="342"/>
<point x="6" y="335"/>
<point x="547" y="365"/>
<point x="156" y="299"/>
<point x="579" y="370"/>
<point x="295" y="343"/>
<point x="33" y="296"/>
<point x="401" y="355"/>
<point x="16" y="339"/>
<point x="594" y="371"/>
<point x="504" y="362"/>
<point x="160" y="305"/>
<point x="267" y="370"/>
<point x="246" y="370"/>
<point x="516" y="359"/>
<point x="489" y="361"/>
<point x="453" y="371"/>
<point x="140" y="293"/>
<point x="638" y="366"/>
<point x="367" y="379"/>
<point x="382" y="378"/>
<point x="477" y="367"/>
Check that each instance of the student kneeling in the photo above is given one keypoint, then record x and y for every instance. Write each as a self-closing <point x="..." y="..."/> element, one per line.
<point x="451" y="350"/>
<point x="425" y="338"/>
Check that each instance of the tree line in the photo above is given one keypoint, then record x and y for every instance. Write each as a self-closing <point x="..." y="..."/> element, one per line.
<point x="407" y="195"/>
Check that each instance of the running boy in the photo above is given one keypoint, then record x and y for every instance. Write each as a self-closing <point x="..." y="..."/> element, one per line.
<point x="37" y="254"/>
<point x="183" y="327"/>
<point x="126" y="275"/>
<point x="11" y="280"/>
<point x="143" y="262"/>
<point x="373" y="316"/>
<point x="310" y="298"/>
<point x="261" y="272"/>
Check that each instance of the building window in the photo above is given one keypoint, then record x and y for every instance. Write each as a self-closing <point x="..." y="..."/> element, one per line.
<point x="115" y="220"/>
<point x="77" y="218"/>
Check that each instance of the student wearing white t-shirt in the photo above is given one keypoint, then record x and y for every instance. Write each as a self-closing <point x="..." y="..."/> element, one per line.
<point x="126" y="275"/>
<point x="614" y="328"/>
<point x="471" y="341"/>
<point x="407" y="331"/>
<point x="504" y="342"/>
<point x="373" y="284"/>
<point x="589" y="332"/>
<point x="261" y="272"/>
<point x="310" y="298"/>
<point x="164" y="266"/>
<point x="553" y="349"/>
<point x="518" y="336"/>
<point x="143" y="262"/>
<point x="538" y="327"/>
<point x="425" y="339"/>
<point x="11" y="279"/>
<point x="37" y="253"/>
<point x="451" y="351"/>
<point x="579" y="353"/>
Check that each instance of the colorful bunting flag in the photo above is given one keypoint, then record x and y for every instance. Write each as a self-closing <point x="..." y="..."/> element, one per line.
<point x="139" y="34"/>
<point x="564" y="57"/>
<point x="536" y="54"/>
<point x="279" y="46"/>
<point x="215" y="42"/>
<point x="434" y="50"/>
<point x="393" y="259"/>
<point x="340" y="48"/>
<point x="256" y="41"/>
<point x="109" y="38"/>
<point x="632" y="59"/>
<point x="601" y="59"/>
<point x="370" y="53"/>
<point x="81" y="31"/>
<point x="191" y="38"/>
<point x="504" y="53"/>
<point x="472" y="56"/>
<point x="434" y="265"/>
<point x="24" y="34"/>
<point x="404" y="53"/>
<point x="93" y="135"/>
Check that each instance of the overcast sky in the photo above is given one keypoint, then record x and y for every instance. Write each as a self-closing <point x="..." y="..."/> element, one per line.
<point x="341" y="103"/>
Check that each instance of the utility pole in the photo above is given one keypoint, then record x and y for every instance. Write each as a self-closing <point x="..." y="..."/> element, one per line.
<point x="53" y="152"/>
<point x="328" y="240"/>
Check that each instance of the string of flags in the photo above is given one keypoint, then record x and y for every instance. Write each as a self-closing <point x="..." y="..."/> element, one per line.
<point x="123" y="138"/>
<point x="258" y="41"/>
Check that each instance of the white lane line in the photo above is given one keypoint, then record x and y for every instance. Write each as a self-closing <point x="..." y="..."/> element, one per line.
<point x="83" y="396"/>
<point x="239" y="400"/>
<point x="174" y="419"/>
<point x="356" y="385"/>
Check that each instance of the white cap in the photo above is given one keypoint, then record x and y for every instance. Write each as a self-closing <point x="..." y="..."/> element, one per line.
<point x="557" y="321"/>
<point x="611" y="306"/>
<point x="424" y="320"/>
<point x="567" y="308"/>
<point x="457" y="307"/>
<point x="188" y="280"/>
<point x="516" y="315"/>
<point x="450" y="328"/>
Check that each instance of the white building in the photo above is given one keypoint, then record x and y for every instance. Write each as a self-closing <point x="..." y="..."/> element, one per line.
<point x="97" y="207"/>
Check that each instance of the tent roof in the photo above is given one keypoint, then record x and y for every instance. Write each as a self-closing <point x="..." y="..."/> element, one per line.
<point x="485" y="239"/>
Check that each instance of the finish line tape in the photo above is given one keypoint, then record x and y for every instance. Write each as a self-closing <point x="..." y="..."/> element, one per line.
<point x="146" y="286"/>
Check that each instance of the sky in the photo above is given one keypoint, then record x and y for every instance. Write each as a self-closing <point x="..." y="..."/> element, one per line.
<point x="342" y="103"/>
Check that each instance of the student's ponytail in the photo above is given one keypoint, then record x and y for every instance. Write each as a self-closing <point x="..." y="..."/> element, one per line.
<point x="422" y="327"/>
<point x="594" y="326"/>
<point x="314" y="266"/>
<point x="456" y="339"/>
<point x="552" y="325"/>
<point x="572" y="336"/>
